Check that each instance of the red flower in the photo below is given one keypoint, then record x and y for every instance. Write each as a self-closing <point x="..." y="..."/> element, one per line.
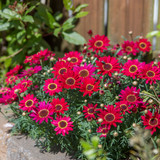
<point x="74" y="57"/>
<point x="108" y="65"/>
<point x="129" y="47"/>
<point x="29" y="72"/>
<point x="26" y="82"/>
<point x="14" y="71"/>
<point x="28" y="102"/>
<point x="59" y="105"/>
<point x="98" y="43"/>
<point x="89" y="86"/>
<point x="123" y="106"/>
<point x="8" y="97"/>
<point x="144" y="45"/>
<point x="110" y="116"/>
<point x="4" y="90"/>
<point x="61" y="67"/>
<point x="70" y="80"/>
<point x="151" y="121"/>
<point x="131" y="95"/>
<point x="52" y="86"/>
<point x="11" y="79"/>
<point x="63" y="125"/>
<point x="104" y="129"/>
<point x="89" y="111"/>
<point x="42" y="113"/>
<point x="132" y="68"/>
<point x="150" y="74"/>
<point x="85" y="71"/>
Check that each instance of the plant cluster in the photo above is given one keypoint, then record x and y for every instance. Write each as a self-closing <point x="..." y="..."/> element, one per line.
<point x="27" y="27"/>
<point x="104" y="91"/>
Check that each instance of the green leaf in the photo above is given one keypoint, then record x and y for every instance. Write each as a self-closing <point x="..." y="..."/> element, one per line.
<point x="28" y="18"/>
<point x="20" y="36"/>
<point x="56" y="31"/>
<point x="124" y="38"/>
<point x="30" y="9"/>
<point x="74" y="37"/>
<point x="7" y="62"/>
<point x="78" y="9"/>
<point x="4" y="26"/>
<point x="68" y="4"/>
<point x="95" y="141"/>
<point x="58" y="16"/>
<point x="9" y="14"/>
<point x="153" y="33"/>
<point x="86" y="145"/>
<point x="81" y="14"/>
<point x="158" y="26"/>
<point x="46" y="15"/>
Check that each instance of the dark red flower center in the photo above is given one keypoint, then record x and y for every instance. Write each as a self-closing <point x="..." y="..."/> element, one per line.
<point x="131" y="98"/>
<point x="29" y="103"/>
<point x="43" y="113"/>
<point x="84" y="73"/>
<point x="98" y="44"/>
<point x="30" y="71"/>
<point x="62" y="70"/>
<point x="12" y="78"/>
<point x="74" y="60"/>
<point x="70" y="81"/>
<point x="129" y="49"/>
<point x="153" y="121"/>
<point x="89" y="87"/>
<point x="52" y="86"/>
<point x="91" y="110"/>
<point x="110" y="117"/>
<point x="62" y="124"/>
<point x="107" y="66"/>
<point x="24" y="84"/>
<point x="142" y="45"/>
<point x="133" y="68"/>
<point x="29" y="58"/>
<point x="123" y="107"/>
<point x="58" y="107"/>
<point x="150" y="74"/>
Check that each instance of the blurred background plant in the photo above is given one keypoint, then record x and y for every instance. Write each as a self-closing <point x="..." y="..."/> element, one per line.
<point x="30" y="26"/>
<point x="144" y="147"/>
<point x="93" y="150"/>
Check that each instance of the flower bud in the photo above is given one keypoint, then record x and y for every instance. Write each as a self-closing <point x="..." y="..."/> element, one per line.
<point x="146" y="111"/>
<point x="124" y="57"/>
<point x="101" y="105"/>
<point x="85" y="100"/>
<point x="117" y="97"/>
<point x="68" y="59"/>
<point x="84" y="60"/>
<point x="115" y="134"/>
<point x="150" y="101"/>
<point x="129" y="58"/>
<point x="48" y="71"/>
<point x="51" y="69"/>
<point x="99" y="146"/>
<point x="100" y="120"/>
<point x="89" y="131"/>
<point x="92" y="58"/>
<point x="151" y="87"/>
<point x="79" y="112"/>
<point x="52" y="59"/>
<point x="134" y="125"/>
<point x="44" y="73"/>
<point x="116" y="73"/>
<point x="23" y="114"/>
<point x="101" y="92"/>
<point x="130" y="32"/>
<point x="16" y="90"/>
<point x="106" y="85"/>
<point x="134" y="83"/>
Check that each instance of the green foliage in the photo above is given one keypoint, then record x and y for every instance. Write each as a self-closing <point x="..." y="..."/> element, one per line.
<point x="154" y="33"/>
<point x="26" y="26"/>
<point x="91" y="150"/>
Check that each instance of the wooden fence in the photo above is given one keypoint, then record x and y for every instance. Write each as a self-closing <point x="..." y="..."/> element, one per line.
<point x="115" y="18"/>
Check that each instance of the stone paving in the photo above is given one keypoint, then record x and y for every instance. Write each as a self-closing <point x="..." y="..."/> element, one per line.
<point x="21" y="147"/>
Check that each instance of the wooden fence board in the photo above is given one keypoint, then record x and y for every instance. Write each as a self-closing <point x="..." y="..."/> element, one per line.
<point x="94" y="20"/>
<point x="129" y="15"/>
